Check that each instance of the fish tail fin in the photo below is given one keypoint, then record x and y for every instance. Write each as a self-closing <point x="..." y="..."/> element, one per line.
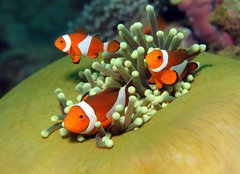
<point x="111" y="46"/>
<point x="193" y="55"/>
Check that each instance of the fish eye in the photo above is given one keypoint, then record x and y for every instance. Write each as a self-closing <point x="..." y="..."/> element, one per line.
<point x="61" y="41"/>
<point x="81" y="116"/>
<point x="159" y="57"/>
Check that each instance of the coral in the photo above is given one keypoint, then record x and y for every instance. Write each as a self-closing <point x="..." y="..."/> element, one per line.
<point x="117" y="69"/>
<point x="227" y="16"/>
<point x="230" y="51"/>
<point x="104" y="20"/>
<point x="198" y="12"/>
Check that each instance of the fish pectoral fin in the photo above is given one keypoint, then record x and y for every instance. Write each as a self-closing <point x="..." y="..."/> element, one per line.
<point x="151" y="80"/>
<point x="159" y="85"/>
<point x="106" y="123"/>
<point x="76" y="59"/>
<point x="93" y="56"/>
<point x="169" y="77"/>
<point x="192" y="66"/>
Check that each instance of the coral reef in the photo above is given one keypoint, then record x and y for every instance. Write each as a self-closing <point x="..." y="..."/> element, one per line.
<point x="104" y="20"/>
<point x="230" y="51"/>
<point x="116" y="69"/>
<point x="198" y="12"/>
<point x="227" y="16"/>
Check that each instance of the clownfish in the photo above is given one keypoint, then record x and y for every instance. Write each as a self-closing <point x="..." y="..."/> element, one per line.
<point x="80" y="43"/>
<point x="82" y="117"/>
<point x="167" y="67"/>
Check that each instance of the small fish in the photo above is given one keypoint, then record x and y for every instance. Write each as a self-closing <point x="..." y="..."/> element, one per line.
<point x="81" y="44"/>
<point x="82" y="117"/>
<point x="167" y="67"/>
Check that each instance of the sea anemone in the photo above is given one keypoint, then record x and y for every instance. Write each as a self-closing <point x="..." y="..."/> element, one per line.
<point x="116" y="69"/>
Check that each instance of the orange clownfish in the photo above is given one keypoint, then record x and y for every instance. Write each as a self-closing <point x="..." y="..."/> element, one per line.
<point x="82" y="117"/>
<point x="167" y="67"/>
<point x="78" y="44"/>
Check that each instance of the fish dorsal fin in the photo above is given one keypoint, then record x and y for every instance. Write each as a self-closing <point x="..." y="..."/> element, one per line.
<point x="96" y="37"/>
<point x="82" y="31"/>
<point x="85" y="96"/>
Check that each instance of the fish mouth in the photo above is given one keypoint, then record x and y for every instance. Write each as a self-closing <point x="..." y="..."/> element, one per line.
<point x="69" y="127"/>
<point x="77" y="62"/>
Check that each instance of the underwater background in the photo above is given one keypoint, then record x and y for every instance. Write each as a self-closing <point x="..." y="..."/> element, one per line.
<point x="28" y="30"/>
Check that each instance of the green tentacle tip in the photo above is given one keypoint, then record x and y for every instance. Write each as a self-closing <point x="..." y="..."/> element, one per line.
<point x="116" y="116"/>
<point x="149" y="39"/>
<point x="144" y="110"/>
<point x="44" y="133"/>
<point x="95" y="65"/>
<point x="186" y="85"/>
<point x="172" y="31"/>
<point x="63" y="132"/>
<point x="180" y="36"/>
<point x="119" y="108"/>
<point x="135" y="74"/>
<point x="123" y="45"/>
<point x="160" y="33"/>
<point x="80" y="138"/>
<point x="150" y="97"/>
<point x="134" y="54"/>
<point x="202" y="47"/>
<point x="190" y="78"/>
<point x="131" y="90"/>
<point x="138" y="122"/>
<point x="194" y="48"/>
<point x="58" y="90"/>
<point x="69" y="103"/>
<point x="109" y="143"/>
<point x="54" y="118"/>
<point x="127" y="63"/>
<point x="120" y="26"/>
<point x="149" y="8"/>
<point x="140" y="50"/>
<point x="184" y="91"/>
<point x="146" y="118"/>
<point x="61" y="96"/>
<point x="137" y="25"/>
<point x="147" y="92"/>
<point x="132" y="99"/>
<point x="178" y="94"/>
<point x="66" y="110"/>
<point x="98" y="124"/>
<point x="117" y="63"/>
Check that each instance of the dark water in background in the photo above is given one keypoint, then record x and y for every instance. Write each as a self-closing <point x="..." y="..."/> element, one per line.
<point x="28" y="29"/>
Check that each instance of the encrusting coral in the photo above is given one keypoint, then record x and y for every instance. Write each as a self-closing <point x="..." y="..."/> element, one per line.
<point x="227" y="16"/>
<point x="116" y="69"/>
<point x="104" y="20"/>
<point x="198" y="12"/>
